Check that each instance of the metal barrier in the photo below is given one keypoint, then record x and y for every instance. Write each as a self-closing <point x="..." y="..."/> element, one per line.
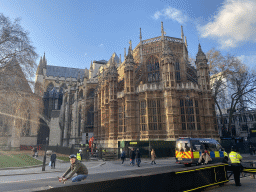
<point x="187" y="179"/>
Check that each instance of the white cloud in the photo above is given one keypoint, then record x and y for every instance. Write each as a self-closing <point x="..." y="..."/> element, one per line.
<point x="248" y="60"/>
<point x="234" y="23"/>
<point x="101" y="45"/>
<point x="171" y="13"/>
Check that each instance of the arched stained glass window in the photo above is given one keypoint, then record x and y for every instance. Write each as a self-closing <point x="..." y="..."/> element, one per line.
<point x="153" y="69"/>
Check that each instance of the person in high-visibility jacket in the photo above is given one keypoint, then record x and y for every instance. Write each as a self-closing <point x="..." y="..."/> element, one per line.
<point x="235" y="159"/>
<point x="78" y="156"/>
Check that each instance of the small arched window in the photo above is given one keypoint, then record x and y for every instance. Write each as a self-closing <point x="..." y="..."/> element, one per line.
<point x="50" y="87"/>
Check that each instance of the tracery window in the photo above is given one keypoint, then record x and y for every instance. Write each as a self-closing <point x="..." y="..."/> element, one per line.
<point x="188" y="116"/>
<point x="26" y="125"/>
<point x="90" y="116"/>
<point x="153" y="69"/>
<point x="156" y="117"/>
<point x="121" y="118"/>
<point x="177" y="71"/>
<point x="143" y="124"/>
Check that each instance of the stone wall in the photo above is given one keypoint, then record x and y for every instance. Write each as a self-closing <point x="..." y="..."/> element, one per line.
<point x="31" y="140"/>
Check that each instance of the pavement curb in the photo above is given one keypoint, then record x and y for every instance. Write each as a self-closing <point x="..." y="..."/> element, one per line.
<point x="32" y="173"/>
<point x="38" y="172"/>
<point x="27" y="167"/>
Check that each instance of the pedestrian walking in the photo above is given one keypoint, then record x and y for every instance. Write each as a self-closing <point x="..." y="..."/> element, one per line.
<point x="123" y="156"/>
<point x="35" y="152"/>
<point x="53" y="160"/>
<point x="235" y="159"/>
<point x="78" y="156"/>
<point x="132" y="157"/>
<point x="76" y="167"/>
<point x="138" y="160"/>
<point x="81" y="153"/>
<point x="153" y="157"/>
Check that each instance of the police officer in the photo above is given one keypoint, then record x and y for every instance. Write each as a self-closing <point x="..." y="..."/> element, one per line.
<point x="235" y="159"/>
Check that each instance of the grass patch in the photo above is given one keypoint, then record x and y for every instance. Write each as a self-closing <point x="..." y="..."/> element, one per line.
<point x="17" y="160"/>
<point x="63" y="158"/>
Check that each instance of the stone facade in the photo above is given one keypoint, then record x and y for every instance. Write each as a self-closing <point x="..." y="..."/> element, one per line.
<point x="20" y="108"/>
<point x="154" y="94"/>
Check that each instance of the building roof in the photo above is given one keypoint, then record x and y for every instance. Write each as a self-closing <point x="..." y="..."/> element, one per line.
<point x="12" y="77"/>
<point x="66" y="72"/>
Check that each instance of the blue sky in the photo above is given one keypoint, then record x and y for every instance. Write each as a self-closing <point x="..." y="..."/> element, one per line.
<point x="72" y="33"/>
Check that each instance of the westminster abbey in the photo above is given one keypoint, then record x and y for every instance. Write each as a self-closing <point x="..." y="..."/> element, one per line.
<point x="154" y="94"/>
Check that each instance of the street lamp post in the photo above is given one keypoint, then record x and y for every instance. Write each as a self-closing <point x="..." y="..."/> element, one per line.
<point x="46" y="140"/>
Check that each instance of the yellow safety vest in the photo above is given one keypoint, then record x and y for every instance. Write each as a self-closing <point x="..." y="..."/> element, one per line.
<point x="235" y="157"/>
<point x="78" y="156"/>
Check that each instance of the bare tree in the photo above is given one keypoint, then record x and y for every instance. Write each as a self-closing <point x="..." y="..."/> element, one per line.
<point x="19" y="106"/>
<point x="232" y="83"/>
<point x="243" y="89"/>
<point x="15" y="43"/>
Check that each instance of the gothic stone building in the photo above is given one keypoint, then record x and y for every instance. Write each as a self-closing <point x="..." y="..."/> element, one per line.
<point x="19" y="108"/>
<point x="154" y="94"/>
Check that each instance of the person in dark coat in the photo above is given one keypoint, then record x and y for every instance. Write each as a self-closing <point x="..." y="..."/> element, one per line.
<point x="53" y="160"/>
<point x="132" y="157"/>
<point x="123" y="156"/>
<point x="76" y="167"/>
<point x="138" y="160"/>
<point x="251" y="150"/>
<point x="35" y="152"/>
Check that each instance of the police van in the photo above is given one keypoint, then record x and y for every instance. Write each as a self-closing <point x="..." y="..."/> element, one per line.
<point x="188" y="150"/>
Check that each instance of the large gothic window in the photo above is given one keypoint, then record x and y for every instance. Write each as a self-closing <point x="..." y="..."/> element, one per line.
<point x="90" y="117"/>
<point x="177" y="71"/>
<point x="120" y="118"/>
<point x="188" y="115"/>
<point x="153" y="69"/>
<point x="143" y="124"/>
<point x="156" y="117"/>
<point x="26" y="125"/>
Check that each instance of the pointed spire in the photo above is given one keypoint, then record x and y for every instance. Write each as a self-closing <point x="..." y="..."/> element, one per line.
<point x="199" y="48"/>
<point x="120" y="61"/>
<point x="182" y="34"/>
<point x="186" y="41"/>
<point x="162" y="28"/>
<point x="200" y="52"/>
<point x="140" y="35"/>
<point x="130" y="47"/>
<point x="124" y="53"/>
<point x="44" y="62"/>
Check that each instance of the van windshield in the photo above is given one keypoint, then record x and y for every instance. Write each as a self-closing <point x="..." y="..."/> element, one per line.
<point x="183" y="145"/>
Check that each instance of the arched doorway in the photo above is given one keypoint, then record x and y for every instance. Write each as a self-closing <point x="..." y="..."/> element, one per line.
<point x="43" y="132"/>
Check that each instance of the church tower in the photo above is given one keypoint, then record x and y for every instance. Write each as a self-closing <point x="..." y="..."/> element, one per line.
<point x="40" y="73"/>
<point x="202" y="70"/>
<point x="208" y="117"/>
<point x="112" y="81"/>
<point x="129" y="91"/>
